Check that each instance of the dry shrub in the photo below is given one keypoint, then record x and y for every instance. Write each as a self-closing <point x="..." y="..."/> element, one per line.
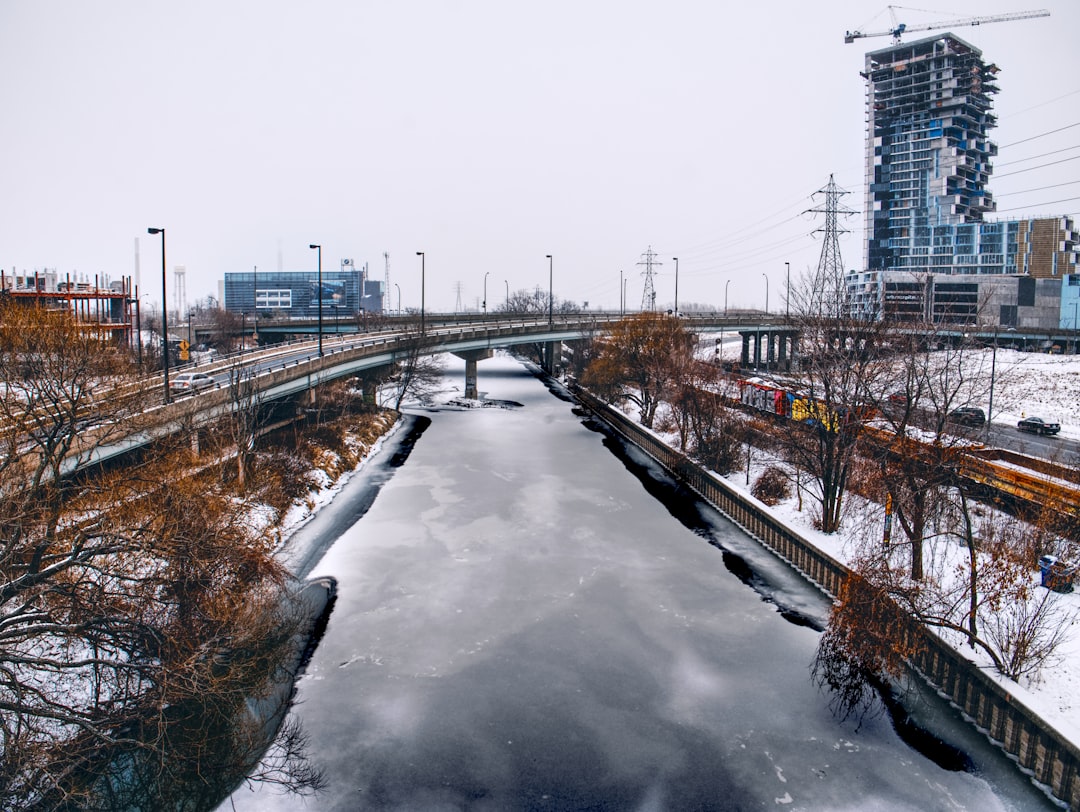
<point x="772" y="486"/>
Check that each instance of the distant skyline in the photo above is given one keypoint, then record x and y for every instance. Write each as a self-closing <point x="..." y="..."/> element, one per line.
<point x="486" y="134"/>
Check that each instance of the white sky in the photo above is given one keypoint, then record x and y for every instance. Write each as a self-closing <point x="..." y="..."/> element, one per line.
<point x="486" y="134"/>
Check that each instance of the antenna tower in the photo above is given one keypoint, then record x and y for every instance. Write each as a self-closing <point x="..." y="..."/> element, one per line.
<point x="386" y="282"/>
<point x="180" y="290"/>
<point x="828" y="294"/>
<point x="648" y="296"/>
<point x="458" y="287"/>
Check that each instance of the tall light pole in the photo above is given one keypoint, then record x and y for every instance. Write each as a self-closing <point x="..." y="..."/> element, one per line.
<point x="551" y="298"/>
<point x="507" y="282"/>
<point x="319" y="249"/>
<point x="254" y="302"/>
<point x="622" y="299"/>
<point x="422" y="258"/>
<point x="725" y="297"/>
<point x="787" y="297"/>
<point x="676" y="286"/>
<point x="164" y="314"/>
<point x="485" y="291"/>
<point x="766" y="293"/>
<point x="396" y="285"/>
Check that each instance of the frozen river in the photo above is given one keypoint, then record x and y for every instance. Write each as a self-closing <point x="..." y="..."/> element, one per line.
<point x="520" y="625"/>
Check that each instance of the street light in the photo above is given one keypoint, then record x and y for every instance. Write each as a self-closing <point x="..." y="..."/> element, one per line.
<point x="421" y="255"/>
<point x="507" y="281"/>
<point x="725" y="297"/>
<point x="254" y="301"/>
<point x="164" y="313"/>
<point x="787" y="296"/>
<point x="396" y="285"/>
<point x="766" y="293"/>
<point x="622" y="298"/>
<point x="676" y="286"/>
<point x="485" y="291"/>
<point x="551" y="300"/>
<point x="319" y="249"/>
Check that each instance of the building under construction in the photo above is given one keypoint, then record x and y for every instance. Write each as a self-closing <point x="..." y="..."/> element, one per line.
<point x="107" y="308"/>
<point x="928" y="162"/>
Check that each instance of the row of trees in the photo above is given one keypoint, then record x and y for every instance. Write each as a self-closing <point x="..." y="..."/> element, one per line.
<point x="877" y="424"/>
<point x="139" y="610"/>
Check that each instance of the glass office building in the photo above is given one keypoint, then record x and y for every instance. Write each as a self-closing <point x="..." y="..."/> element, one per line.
<point x="295" y="294"/>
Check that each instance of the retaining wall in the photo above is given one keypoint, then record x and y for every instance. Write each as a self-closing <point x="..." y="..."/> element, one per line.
<point x="1032" y="741"/>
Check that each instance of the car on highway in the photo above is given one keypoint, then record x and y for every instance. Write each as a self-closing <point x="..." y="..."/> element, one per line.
<point x="968" y="416"/>
<point x="190" y="382"/>
<point x="1036" y="425"/>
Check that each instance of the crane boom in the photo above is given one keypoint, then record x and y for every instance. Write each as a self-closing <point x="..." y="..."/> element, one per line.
<point x="902" y="28"/>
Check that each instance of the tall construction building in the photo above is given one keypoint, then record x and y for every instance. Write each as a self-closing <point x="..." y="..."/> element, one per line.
<point x="928" y="163"/>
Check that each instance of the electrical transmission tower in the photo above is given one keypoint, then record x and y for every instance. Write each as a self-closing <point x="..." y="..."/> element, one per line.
<point x="648" y="296"/>
<point x="828" y="292"/>
<point x="458" y="287"/>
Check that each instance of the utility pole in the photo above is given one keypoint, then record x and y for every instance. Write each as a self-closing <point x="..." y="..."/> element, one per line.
<point x="458" y="306"/>
<point x="648" y="296"/>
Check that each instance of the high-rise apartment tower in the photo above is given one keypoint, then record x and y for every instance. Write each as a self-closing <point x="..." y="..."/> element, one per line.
<point x="928" y="152"/>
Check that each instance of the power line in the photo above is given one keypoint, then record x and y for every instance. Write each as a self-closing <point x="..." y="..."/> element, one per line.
<point x="1037" y="205"/>
<point x="1040" y="166"/>
<point x="1040" y="135"/>
<point x="1040" y="155"/>
<point x="1038" y="189"/>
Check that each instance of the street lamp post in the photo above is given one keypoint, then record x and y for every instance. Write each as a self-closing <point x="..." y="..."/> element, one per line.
<point x="164" y="314"/>
<point x="622" y="299"/>
<point x="396" y="285"/>
<point x="551" y="298"/>
<point x="507" y="282"/>
<point x="255" y="302"/>
<point x="422" y="258"/>
<point x="766" y="293"/>
<point x="725" y="297"/>
<point x="676" y="286"/>
<point x="787" y="296"/>
<point x="485" y="291"/>
<point x="319" y="249"/>
<point x="993" y="366"/>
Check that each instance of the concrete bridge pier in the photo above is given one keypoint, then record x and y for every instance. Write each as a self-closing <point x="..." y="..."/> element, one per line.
<point x="552" y="355"/>
<point x="471" y="357"/>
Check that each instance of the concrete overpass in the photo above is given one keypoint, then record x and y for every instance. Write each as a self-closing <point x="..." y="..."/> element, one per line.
<point x="287" y="369"/>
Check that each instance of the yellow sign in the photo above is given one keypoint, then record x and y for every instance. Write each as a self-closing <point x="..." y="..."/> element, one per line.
<point x="184" y="346"/>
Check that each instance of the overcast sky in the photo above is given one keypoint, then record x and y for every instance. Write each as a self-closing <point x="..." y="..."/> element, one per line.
<point x="486" y="134"/>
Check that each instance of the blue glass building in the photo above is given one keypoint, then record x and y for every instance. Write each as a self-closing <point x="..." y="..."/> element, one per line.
<point x="295" y="294"/>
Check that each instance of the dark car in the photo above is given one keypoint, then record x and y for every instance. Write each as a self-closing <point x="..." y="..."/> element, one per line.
<point x="1036" y="425"/>
<point x="968" y="416"/>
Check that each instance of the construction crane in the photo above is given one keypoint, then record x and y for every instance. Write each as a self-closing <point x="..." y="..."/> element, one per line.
<point x="902" y="28"/>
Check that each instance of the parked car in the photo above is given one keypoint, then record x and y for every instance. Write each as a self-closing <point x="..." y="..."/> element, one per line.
<point x="1036" y="425"/>
<point x="190" y="382"/>
<point x="968" y="416"/>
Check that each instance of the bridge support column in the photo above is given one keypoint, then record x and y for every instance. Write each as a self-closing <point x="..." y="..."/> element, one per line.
<point x="471" y="357"/>
<point x="552" y="354"/>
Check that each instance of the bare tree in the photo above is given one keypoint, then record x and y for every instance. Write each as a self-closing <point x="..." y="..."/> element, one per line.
<point x="642" y="359"/>
<point x="416" y="373"/>
<point x="137" y="610"/>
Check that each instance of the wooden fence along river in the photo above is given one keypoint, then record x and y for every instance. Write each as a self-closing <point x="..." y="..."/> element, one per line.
<point x="1032" y="741"/>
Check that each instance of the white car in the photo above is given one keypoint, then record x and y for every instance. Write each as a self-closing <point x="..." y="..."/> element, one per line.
<point x="190" y="382"/>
